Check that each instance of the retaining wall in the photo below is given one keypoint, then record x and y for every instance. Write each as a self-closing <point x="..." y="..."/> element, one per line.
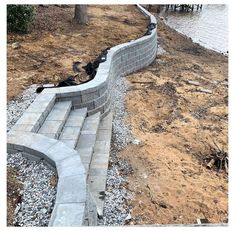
<point x="121" y="60"/>
<point x="95" y="95"/>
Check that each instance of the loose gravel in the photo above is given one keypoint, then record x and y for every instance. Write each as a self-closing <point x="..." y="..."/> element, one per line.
<point x="116" y="207"/>
<point x="16" y="107"/>
<point x="39" y="193"/>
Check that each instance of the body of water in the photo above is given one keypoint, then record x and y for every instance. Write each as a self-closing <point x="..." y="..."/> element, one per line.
<point x="208" y="26"/>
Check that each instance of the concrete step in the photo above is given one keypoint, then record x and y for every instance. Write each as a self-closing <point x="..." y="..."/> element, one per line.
<point x="99" y="164"/>
<point x="72" y="127"/>
<point x="87" y="139"/>
<point x="55" y="120"/>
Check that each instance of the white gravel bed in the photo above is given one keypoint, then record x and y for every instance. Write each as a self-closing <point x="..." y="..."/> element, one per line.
<point x="16" y="108"/>
<point x="116" y="208"/>
<point x="38" y="195"/>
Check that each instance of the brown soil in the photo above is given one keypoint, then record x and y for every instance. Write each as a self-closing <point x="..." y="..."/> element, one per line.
<point x="175" y="123"/>
<point x="13" y="195"/>
<point x="46" y="54"/>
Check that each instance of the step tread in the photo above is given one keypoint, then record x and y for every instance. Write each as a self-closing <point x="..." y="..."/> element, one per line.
<point x="55" y="120"/>
<point x="72" y="127"/>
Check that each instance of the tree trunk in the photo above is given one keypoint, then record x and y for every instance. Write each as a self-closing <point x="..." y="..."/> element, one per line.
<point x="80" y="15"/>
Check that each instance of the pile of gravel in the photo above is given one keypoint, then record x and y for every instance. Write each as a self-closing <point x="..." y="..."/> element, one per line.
<point x="38" y="195"/>
<point x="116" y="207"/>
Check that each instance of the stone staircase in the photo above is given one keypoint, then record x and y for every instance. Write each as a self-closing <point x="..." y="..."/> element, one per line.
<point x="89" y="137"/>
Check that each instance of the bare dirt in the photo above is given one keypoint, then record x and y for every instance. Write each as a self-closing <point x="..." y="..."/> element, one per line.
<point x="47" y="53"/>
<point x="13" y="194"/>
<point x="176" y="122"/>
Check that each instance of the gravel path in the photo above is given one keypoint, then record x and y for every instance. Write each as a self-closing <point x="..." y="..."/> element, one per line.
<point x="39" y="191"/>
<point x="116" y="207"/>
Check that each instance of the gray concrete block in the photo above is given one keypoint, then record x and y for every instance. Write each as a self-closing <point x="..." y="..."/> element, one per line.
<point x="45" y="97"/>
<point x="67" y="215"/>
<point x="60" y="111"/>
<point x="90" y="96"/>
<point x="86" y="140"/>
<point x="60" y="151"/>
<point x="70" y="166"/>
<point x="106" y="122"/>
<point x="75" y="122"/>
<point x="30" y="118"/>
<point x="31" y="157"/>
<point x="104" y="134"/>
<point x="91" y="124"/>
<point x="69" y="133"/>
<point x="89" y="105"/>
<point x="102" y="147"/>
<point x="51" y="127"/>
<point x="97" y="171"/>
<point x="24" y="127"/>
<point x="96" y="183"/>
<point x="71" y="189"/>
<point x="41" y="106"/>
<point x="101" y="100"/>
<point x="70" y="143"/>
<point x="97" y="109"/>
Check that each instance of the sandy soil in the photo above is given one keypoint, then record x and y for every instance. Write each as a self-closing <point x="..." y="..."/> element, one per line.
<point x="175" y="122"/>
<point x="46" y="54"/>
<point x="14" y="197"/>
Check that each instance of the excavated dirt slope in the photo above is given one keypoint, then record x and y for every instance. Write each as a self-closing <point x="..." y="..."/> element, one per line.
<point x="177" y="122"/>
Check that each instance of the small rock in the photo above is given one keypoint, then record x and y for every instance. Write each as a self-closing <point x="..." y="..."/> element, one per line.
<point x="136" y="142"/>
<point x="128" y="217"/>
<point x="44" y="211"/>
<point x="193" y="82"/>
<point x="204" y="90"/>
<point x="16" y="45"/>
<point x="17" y="209"/>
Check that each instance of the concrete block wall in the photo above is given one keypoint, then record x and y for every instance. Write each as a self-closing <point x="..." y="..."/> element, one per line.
<point x="121" y="60"/>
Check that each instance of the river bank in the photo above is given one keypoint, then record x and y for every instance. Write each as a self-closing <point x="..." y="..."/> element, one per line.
<point x="176" y="108"/>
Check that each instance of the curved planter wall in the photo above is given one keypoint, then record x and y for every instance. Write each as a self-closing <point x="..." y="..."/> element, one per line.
<point x="71" y="200"/>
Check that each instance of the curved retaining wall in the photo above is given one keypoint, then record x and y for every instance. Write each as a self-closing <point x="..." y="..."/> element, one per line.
<point x="121" y="60"/>
<point x="95" y="95"/>
<point x="71" y="197"/>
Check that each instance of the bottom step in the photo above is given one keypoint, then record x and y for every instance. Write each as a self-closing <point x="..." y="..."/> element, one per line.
<point x="99" y="164"/>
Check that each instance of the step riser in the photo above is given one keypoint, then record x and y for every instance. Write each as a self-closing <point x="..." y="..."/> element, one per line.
<point x="99" y="164"/>
<point x="55" y="120"/>
<point x="87" y="139"/>
<point x="72" y="127"/>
